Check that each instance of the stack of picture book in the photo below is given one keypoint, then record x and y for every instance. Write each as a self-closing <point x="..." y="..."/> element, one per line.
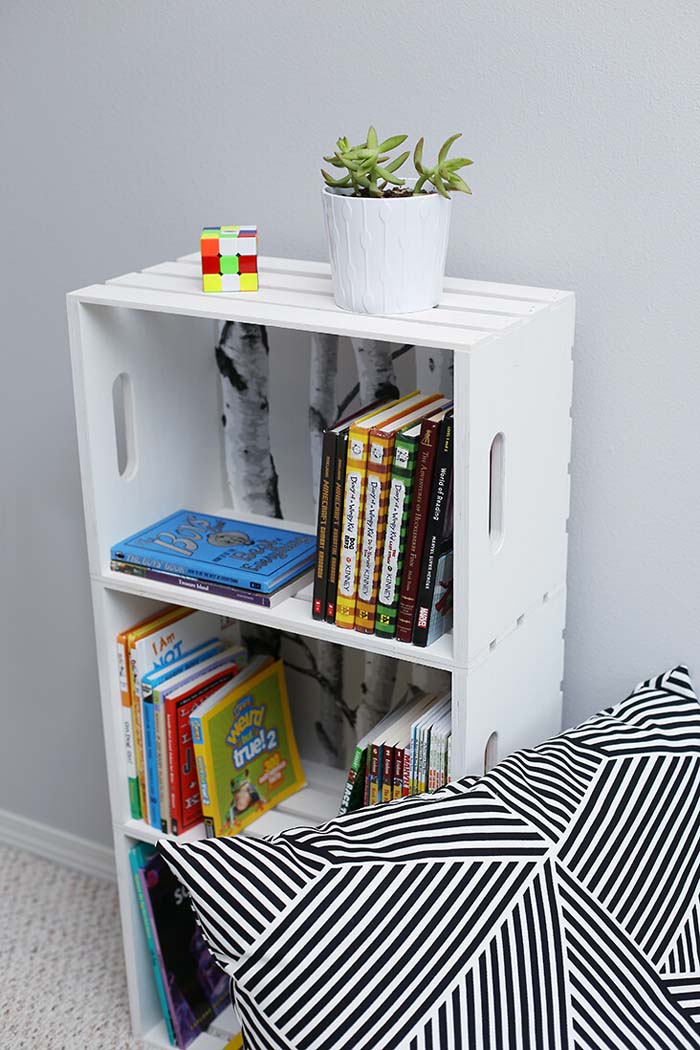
<point x="193" y="990"/>
<point x="408" y="752"/>
<point x="207" y="731"/>
<point x="384" y="531"/>
<point x="245" y="561"/>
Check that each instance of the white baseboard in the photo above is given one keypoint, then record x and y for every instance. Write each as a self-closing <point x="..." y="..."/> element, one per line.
<point x="59" y="846"/>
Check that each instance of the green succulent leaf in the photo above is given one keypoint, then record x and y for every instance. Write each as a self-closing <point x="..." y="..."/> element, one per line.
<point x="456" y="182"/>
<point x="392" y="143"/>
<point x="445" y="148"/>
<point x="372" y="140"/>
<point x="418" y="156"/>
<point x="385" y="174"/>
<point x="457" y="162"/>
<point x="338" y="183"/>
<point x="396" y="163"/>
<point x="439" y="185"/>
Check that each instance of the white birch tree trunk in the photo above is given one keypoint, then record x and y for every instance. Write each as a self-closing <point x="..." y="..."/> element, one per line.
<point x="377" y="691"/>
<point x="322" y="397"/>
<point x="375" y="370"/>
<point x="435" y="373"/>
<point x="243" y="359"/>
<point x="322" y="410"/>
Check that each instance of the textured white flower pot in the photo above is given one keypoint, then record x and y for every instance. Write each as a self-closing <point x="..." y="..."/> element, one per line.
<point x="387" y="256"/>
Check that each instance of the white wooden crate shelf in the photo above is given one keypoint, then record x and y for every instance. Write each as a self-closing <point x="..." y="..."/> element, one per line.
<point x="512" y="349"/>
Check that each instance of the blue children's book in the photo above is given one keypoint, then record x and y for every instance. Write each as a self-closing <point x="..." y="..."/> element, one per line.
<point x="241" y="554"/>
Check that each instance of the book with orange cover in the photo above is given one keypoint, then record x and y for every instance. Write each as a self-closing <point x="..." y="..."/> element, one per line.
<point x="379" y="463"/>
<point x="353" y="505"/>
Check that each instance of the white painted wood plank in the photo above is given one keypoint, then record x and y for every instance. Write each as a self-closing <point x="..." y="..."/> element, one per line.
<point x="293" y="615"/>
<point x="246" y="307"/>
<point x="322" y="286"/>
<point x="452" y="284"/>
<point x="294" y="298"/>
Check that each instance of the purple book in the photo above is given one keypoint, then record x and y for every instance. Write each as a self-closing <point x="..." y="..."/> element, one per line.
<point x="197" y="989"/>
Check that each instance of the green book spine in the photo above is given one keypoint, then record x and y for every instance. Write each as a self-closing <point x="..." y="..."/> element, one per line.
<point x="139" y="855"/>
<point x="355" y="785"/>
<point x="398" y="515"/>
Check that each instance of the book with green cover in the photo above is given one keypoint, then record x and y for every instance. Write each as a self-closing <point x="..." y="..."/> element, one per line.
<point x="398" y="514"/>
<point x="245" y="751"/>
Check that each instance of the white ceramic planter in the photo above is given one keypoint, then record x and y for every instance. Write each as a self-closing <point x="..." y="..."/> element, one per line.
<point x="387" y="256"/>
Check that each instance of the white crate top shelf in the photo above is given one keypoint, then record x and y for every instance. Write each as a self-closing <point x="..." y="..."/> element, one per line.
<point x="296" y="293"/>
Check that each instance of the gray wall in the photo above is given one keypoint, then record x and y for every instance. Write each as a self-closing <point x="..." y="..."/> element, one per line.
<point x="126" y="126"/>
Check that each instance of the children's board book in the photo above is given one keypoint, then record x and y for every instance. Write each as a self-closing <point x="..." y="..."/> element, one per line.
<point x="165" y="642"/>
<point x="245" y="750"/>
<point x="196" y="988"/>
<point x="238" y="553"/>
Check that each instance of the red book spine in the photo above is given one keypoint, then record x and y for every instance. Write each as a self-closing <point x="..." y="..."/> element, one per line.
<point x="387" y="774"/>
<point x="173" y="778"/>
<point x="416" y="529"/>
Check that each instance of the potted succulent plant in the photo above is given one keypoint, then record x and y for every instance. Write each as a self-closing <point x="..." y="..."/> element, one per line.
<point x="387" y="236"/>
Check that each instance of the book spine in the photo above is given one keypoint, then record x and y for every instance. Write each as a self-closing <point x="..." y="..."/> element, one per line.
<point x="171" y="736"/>
<point x="406" y="785"/>
<point x="398" y="517"/>
<point x="341" y="446"/>
<point x="387" y="782"/>
<point x="200" y="758"/>
<point x="416" y="530"/>
<point x="128" y="727"/>
<point x="373" y="776"/>
<point x="149" y="736"/>
<point x="325" y="500"/>
<point x="190" y="583"/>
<point x="379" y="459"/>
<point x="350" y="783"/>
<point x="179" y="1037"/>
<point x="160" y="986"/>
<point x="353" y="507"/>
<point x="138" y="740"/>
<point x="437" y="527"/>
<point x="397" y="783"/>
<point x="162" y="762"/>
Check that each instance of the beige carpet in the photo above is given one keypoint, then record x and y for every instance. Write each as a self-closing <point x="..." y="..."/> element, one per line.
<point x="62" y="980"/>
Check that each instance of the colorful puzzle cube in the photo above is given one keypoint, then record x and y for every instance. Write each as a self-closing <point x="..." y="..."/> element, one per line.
<point x="230" y="258"/>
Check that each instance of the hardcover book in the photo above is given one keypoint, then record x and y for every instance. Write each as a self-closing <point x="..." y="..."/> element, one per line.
<point x="196" y="988"/>
<point x="379" y="462"/>
<point x="245" y="750"/>
<point x="241" y="554"/>
<point x="438" y="533"/>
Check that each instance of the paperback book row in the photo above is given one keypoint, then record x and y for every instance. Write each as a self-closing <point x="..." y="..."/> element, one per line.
<point x="384" y="531"/>
<point x="407" y="753"/>
<point x="192" y="989"/>
<point x="244" y="561"/>
<point x="207" y="729"/>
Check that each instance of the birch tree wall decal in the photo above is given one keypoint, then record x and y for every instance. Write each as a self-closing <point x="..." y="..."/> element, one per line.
<point x="243" y="359"/>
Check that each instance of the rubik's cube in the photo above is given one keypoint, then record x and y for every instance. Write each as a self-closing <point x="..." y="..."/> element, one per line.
<point x="230" y="258"/>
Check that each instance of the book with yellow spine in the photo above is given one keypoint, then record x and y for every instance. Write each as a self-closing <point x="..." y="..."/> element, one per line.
<point x="353" y="505"/>
<point x="379" y="462"/>
<point x="244" y="747"/>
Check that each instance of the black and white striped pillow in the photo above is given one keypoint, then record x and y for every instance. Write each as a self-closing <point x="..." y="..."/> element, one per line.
<point x="552" y="904"/>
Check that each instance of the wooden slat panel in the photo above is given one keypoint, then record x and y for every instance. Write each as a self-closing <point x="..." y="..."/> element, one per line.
<point x="322" y="285"/>
<point x="293" y="298"/>
<point x="249" y="308"/>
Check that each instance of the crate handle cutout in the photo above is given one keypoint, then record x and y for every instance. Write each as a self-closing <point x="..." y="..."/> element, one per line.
<point x="124" y="429"/>
<point x="497" y="475"/>
<point x="491" y="752"/>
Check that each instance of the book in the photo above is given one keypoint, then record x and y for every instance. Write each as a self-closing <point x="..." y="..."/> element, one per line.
<point x="245" y="751"/>
<point x="438" y="531"/>
<point x="440" y="616"/>
<point x="139" y="855"/>
<point x="429" y="439"/>
<point x="179" y="698"/>
<point x="353" y="504"/>
<point x="224" y="550"/>
<point x="341" y="449"/>
<point x="221" y="590"/>
<point x="127" y="715"/>
<point x="196" y="988"/>
<point x="326" y="504"/>
<point x="353" y="794"/>
<point x="179" y="631"/>
<point x="131" y="637"/>
<point x="398" y="518"/>
<point x="158" y="806"/>
<point x="379" y="463"/>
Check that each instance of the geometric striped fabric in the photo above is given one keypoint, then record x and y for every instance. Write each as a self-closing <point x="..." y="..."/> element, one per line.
<point x="552" y="904"/>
